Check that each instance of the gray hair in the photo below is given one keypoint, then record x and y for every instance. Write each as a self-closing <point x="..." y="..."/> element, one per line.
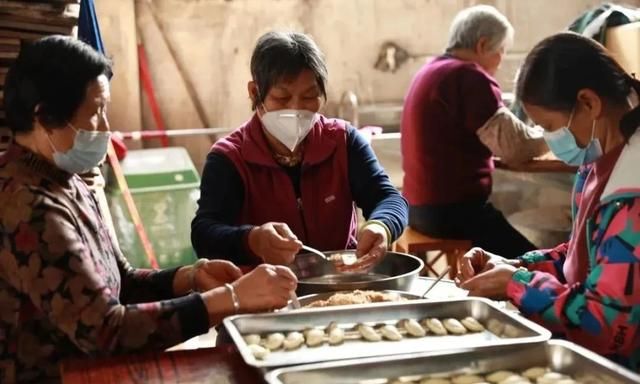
<point x="279" y="55"/>
<point x="472" y="24"/>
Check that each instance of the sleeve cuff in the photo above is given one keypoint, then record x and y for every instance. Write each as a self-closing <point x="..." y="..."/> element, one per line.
<point x="517" y="285"/>
<point x="251" y="257"/>
<point x="192" y="314"/>
<point x="386" y="229"/>
<point x="163" y="282"/>
<point x="532" y="257"/>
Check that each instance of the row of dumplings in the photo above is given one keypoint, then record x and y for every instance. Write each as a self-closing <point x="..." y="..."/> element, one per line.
<point x="334" y="335"/>
<point x="534" y="375"/>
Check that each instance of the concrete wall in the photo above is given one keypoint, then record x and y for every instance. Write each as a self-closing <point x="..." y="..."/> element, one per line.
<point x="215" y="38"/>
<point x="199" y="50"/>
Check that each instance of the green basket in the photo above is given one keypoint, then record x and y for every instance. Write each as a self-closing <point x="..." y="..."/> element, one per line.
<point x="164" y="185"/>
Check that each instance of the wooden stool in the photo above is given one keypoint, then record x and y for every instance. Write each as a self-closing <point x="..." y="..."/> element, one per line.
<point x="416" y="243"/>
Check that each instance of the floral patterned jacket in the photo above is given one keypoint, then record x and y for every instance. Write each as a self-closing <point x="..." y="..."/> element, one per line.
<point x="65" y="288"/>
<point x="588" y="289"/>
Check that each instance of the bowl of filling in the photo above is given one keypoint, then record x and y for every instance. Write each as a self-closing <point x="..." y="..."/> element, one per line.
<point x="332" y="299"/>
<point x="396" y="272"/>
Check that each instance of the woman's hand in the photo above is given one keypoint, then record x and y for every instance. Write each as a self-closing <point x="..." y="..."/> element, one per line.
<point x="204" y="275"/>
<point x="372" y="246"/>
<point x="265" y="288"/>
<point x="492" y="283"/>
<point x="477" y="260"/>
<point x="213" y="274"/>
<point x="274" y="243"/>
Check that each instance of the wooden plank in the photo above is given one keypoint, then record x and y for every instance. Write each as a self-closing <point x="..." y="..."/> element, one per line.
<point x="40" y="13"/>
<point x="8" y="55"/>
<point x="53" y="20"/>
<point x="22" y="35"/>
<point x="33" y="26"/>
<point x="10" y="41"/>
<point x="42" y="7"/>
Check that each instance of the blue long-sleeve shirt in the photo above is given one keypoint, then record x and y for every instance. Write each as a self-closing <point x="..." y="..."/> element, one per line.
<point x="214" y="234"/>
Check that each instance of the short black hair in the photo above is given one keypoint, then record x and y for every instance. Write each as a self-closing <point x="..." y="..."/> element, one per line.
<point x="280" y="55"/>
<point x="53" y="73"/>
<point x="558" y="67"/>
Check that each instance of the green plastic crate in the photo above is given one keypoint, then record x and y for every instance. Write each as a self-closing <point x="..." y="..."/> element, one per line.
<point x="165" y="186"/>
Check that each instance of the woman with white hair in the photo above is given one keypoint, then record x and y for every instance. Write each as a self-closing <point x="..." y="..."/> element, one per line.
<point x="453" y="123"/>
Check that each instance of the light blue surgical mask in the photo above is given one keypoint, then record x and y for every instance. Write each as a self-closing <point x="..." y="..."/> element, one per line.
<point x="563" y="145"/>
<point x="88" y="150"/>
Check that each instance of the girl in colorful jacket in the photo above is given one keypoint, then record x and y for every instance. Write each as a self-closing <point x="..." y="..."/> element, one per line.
<point x="586" y="290"/>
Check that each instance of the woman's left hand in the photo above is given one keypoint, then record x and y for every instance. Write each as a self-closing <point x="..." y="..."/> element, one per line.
<point x="492" y="283"/>
<point x="372" y="246"/>
<point x="215" y="273"/>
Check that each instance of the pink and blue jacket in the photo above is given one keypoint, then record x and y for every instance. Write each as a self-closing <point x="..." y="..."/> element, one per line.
<point x="588" y="289"/>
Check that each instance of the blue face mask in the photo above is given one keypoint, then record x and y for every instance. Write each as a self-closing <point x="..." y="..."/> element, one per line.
<point x="563" y="145"/>
<point x="89" y="148"/>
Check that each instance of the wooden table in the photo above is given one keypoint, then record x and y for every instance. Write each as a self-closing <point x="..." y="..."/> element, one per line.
<point x="219" y="365"/>
<point x="544" y="164"/>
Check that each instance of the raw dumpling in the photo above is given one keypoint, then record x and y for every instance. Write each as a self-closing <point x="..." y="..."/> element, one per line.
<point x="495" y="326"/>
<point x="551" y="378"/>
<point x="252" y="339"/>
<point x="274" y="341"/>
<point x="514" y="379"/>
<point x="435" y="326"/>
<point x="499" y="376"/>
<point x="314" y="337"/>
<point x="434" y="380"/>
<point x="472" y="324"/>
<point x="412" y="327"/>
<point x="336" y="334"/>
<point x="534" y="372"/>
<point x="368" y="333"/>
<point x="258" y="352"/>
<point x="510" y="331"/>
<point x="467" y="379"/>
<point x="293" y="341"/>
<point x="390" y="332"/>
<point x="454" y="326"/>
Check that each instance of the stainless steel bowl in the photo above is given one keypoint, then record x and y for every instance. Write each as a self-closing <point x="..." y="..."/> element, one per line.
<point x="396" y="271"/>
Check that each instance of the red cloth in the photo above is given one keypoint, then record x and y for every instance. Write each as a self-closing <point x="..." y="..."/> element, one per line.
<point x="324" y="184"/>
<point x="443" y="159"/>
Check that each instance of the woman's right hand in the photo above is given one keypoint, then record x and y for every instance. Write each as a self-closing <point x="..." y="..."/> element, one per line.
<point x="274" y="243"/>
<point x="265" y="288"/>
<point x="476" y="261"/>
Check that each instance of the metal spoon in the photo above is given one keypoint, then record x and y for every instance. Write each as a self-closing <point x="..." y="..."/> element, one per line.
<point x="315" y="252"/>
<point x="436" y="282"/>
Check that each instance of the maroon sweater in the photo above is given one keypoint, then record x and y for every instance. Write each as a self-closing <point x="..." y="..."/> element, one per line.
<point x="443" y="160"/>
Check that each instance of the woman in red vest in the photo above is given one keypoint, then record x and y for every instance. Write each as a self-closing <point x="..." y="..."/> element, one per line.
<point x="289" y="175"/>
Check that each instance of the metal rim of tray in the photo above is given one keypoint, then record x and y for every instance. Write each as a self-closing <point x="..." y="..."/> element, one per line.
<point x="542" y="334"/>
<point x="272" y="376"/>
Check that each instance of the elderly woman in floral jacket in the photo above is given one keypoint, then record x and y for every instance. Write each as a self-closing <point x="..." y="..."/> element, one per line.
<point x="65" y="288"/>
<point x="587" y="289"/>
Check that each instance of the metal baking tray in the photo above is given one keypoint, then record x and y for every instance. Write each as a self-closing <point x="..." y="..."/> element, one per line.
<point x="559" y="355"/>
<point x="521" y="329"/>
